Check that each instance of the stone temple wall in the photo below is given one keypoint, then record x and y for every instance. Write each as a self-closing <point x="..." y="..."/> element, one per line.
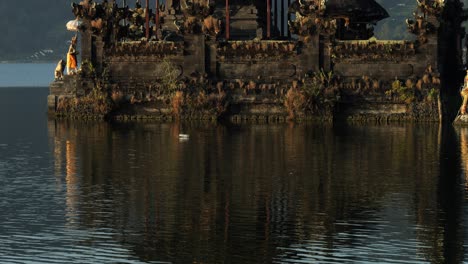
<point x="255" y="77"/>
<point x="384" y="60"/>
<point x="202" y="75"/>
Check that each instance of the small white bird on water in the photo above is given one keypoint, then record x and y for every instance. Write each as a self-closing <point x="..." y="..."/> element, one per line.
<point x="183" y="137"/>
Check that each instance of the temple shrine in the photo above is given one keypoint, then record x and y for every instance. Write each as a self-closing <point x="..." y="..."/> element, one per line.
<point x="260" y="60"/>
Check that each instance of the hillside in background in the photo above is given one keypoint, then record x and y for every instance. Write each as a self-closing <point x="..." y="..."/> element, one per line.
<point x="30" y="28"/>
<point x="34" y="30"/>
<point x="394" y="27"/>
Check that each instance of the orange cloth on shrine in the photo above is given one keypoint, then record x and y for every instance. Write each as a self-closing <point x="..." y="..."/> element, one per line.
<point x="71" y="61"/>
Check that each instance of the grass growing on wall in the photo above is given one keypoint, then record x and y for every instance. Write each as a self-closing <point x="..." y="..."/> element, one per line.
<point x="313" y="95"/>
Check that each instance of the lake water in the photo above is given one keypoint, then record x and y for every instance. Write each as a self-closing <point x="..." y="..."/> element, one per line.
<point x="26" y="74"/>
<point x="76" y="192"/>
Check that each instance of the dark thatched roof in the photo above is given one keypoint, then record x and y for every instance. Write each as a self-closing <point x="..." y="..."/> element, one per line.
<point x="359" y="10"/>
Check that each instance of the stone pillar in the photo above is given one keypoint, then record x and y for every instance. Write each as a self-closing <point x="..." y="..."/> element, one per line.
<point x="326" y="53"/>
<point x="156" y="22"/>
<point x="268" y="19"/>
<point x="52" y="103"/>
<point x="147" y="22"/>
<point x="275" y="14"/>
<point x="194" y="60"/>
<point x="211" y="53"/>
<point x="309" y="59"/>
<point x="228" y="22"/>
<point x="99" y="54"/>
<point x="86" y="44"/>
<point x="289" y="19"/>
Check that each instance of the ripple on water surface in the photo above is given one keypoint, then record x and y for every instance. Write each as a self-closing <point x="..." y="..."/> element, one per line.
<point x="132" y="193"/>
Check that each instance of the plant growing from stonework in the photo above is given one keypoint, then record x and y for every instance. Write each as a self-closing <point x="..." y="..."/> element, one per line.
<point x="313" y="95"/>
<point x="432" y="94"/>
<point x="294" y="102"/>
<point x="320" y="89"/>
<point x="199" y="102"/>
<point x="312" y="88"/>
<point x="94" y="104"/>
<point x="88" y="69"/>
<point x="404" y="93"/>
<point x="169" y="80"/>
<point x="325" y="77"/>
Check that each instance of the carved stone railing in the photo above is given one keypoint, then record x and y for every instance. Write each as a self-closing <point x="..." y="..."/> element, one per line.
<point x="143" y="48"/>
<point x="252" y="50"/>
<point x="373" y="50"/>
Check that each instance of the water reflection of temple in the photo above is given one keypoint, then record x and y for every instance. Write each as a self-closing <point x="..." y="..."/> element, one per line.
<point x="66" y="169"/>
<point x="231" y="191"/>
<point x="463" y="135"/>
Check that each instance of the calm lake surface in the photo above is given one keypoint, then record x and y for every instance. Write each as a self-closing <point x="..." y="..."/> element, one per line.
<point x="26" y="74"/>
<point x="75" y="192"/>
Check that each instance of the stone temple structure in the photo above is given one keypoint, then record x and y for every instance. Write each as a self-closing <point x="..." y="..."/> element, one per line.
<point x="261" y="60"/>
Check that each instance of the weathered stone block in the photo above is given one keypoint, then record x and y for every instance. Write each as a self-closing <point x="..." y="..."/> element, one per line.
<point x="383" y="71"/>
<point x="52" y="103"/>
<point x="271" y="70"/>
